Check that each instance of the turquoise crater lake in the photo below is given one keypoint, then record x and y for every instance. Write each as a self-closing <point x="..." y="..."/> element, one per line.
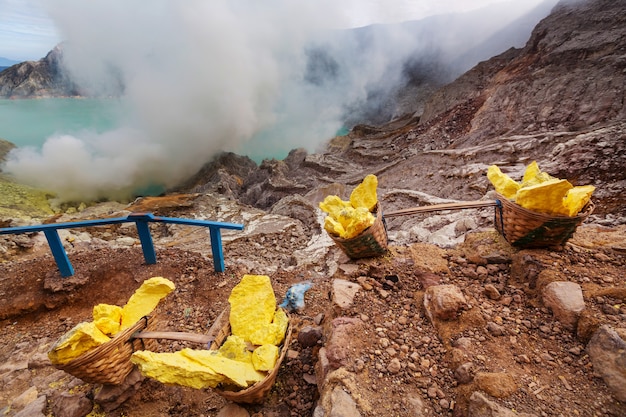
<point x="28" y="122"/>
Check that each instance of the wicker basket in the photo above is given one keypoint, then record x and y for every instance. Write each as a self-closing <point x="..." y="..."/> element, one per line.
<point x="369" y="243"/>
<point x="110" y="362"/>
<point x="523" y="228"/>
<point x="256" y="393"/>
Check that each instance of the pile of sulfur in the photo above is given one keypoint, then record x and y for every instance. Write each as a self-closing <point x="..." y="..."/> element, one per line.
<point x="347" y="219"/>
<point x="109" y="320"/>
<point x="540" y="192"/>
<point x="246" y="356"/>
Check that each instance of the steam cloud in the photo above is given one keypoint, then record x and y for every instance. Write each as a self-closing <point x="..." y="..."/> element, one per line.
<point x="200" y="77"/>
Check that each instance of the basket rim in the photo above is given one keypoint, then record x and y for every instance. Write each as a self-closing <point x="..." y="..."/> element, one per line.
<point x="582" y="214"/>
<point x="104" y="349"/>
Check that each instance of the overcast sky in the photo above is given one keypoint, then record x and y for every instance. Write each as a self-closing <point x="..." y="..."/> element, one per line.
<point x="28" y="33"/>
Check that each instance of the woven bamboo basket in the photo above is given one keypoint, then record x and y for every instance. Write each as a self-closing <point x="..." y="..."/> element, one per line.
<point x="524" y="228"/>
<point x="110" y="362"/>
<point x="256" y="393"/>
<point x="369" y="243"/>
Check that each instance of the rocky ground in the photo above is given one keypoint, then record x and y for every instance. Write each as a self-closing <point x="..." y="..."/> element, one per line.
<point x="365" y="332"/>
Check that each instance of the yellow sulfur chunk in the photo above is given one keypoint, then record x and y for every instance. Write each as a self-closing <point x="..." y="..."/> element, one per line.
<point x="82" y="338"/>
<point x="546" y="197"/>
<point x="273" y="333"/>
<point x="235" y="348"/>
<point x="107" y="318"/>
<point x="264" y="357"/>
<point x="145" y="299"/>
<point x="361" y="219"/>
<point x="364" y="195"/>
<point x="534" y="176"/>
<point x="532" y="171"/>
<point x="252" y="305"/>
<point x="176" y="369"/>
<point x="502" y="182"/>
<point x="576" y="199"/>
<point x="241" y="374"/>
<point x="349" y="222"/>
<point x="333" y="227"/>
<point x="345" y="216"/>
<point x="332" y="205"/>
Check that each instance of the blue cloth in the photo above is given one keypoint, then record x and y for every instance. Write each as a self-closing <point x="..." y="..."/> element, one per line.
<point x="294" y="299"/>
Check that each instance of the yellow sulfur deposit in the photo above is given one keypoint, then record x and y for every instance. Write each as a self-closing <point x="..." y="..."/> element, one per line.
<point x="272" y="333"/>
<point x="252" y="305"/>
<point x="175" y="369"/>
<point x="239" y="362"/>
<point x="359" y="219"/>
<point x="503" y="184"/>
<point x="576" y="199"/>
<point x="334" y="227"/>
<point x="145" y="299"/>
<point x="264" y="357"/>
<point x="534" y="176"/>
<point x="333" y="205"/>
<point x="541" y="192"/>
<point x="107" y="318"/>
<point x="545" y="197"/>
<point x="82" y="338"/>
<point x="241" y="374"/>
<point x="235" y="348"/>
<point x="347" y="219"/>
<point x="364" y="194"/>
<point x="195" y="368"/>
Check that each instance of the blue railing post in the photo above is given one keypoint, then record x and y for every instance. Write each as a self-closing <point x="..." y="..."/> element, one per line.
<point x="216" y="249"/>
<point x="143" y="230"/>
<point x="58" y="251"/>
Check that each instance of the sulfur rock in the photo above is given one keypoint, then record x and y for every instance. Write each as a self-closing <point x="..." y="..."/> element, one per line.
<point x="347" y="219"/>
<point x="241" y="374"/>
<point x="361" y="218"/>
<point x="176" y="369"/>
<point x="235" y="348"/>
<point x="264" y="357"/>
<point x="332" y="205"/>
<point x="503" y="184"/>
<point x="145" y="299"/>
<point x="82" y="338"/>
<point x="540" y="192"/>
<point x="252" y="305"/>
<point x="364" y="195"/>
<point x="272" y="333"/>
<point x="533" y="176"/>
<point x="108" y="318"/>
<point x="577" y="198"/>
<point x="546" y="197"/>
<point x="333" y="226"/>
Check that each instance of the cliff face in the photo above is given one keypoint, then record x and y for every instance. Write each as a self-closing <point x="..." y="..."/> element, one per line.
<point x="33" y="79"/>
<point x="569" y="76"/>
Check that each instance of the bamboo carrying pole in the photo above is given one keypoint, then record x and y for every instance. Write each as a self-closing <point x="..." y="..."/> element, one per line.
<point x="205" y="339"/>
<point x="441" y="207"/>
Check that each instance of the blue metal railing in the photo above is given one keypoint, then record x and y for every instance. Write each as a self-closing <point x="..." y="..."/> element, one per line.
<point x="141" y="220"/>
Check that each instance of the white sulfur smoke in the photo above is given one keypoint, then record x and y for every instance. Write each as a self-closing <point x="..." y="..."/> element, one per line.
<point x="199" y="77"/>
